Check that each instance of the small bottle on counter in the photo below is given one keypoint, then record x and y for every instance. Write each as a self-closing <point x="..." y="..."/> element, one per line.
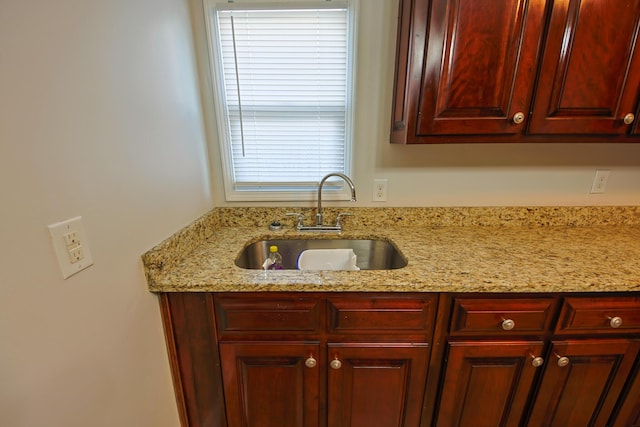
<point x="275" y="259"/>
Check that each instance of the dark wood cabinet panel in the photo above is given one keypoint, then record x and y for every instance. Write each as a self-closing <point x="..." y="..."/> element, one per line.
<point x="381" y="315"/>
<point x="629" y="413"/>
<point x="269" y="359"/>
<point x="270" y="384"/>
<point x="376" y="384"/>
<point x="490" y="315"/>
<point x="599" y="315"/>
<point x="192" y="343"/>
<point x="582" y="382"/>
<point x="487" y="383"/>
<point x="517" y="71"/>
<point x="244" y="315"/>
<point x="590" y="71"/>
<point x="479" y="66"/>
<point x="472" y="73"/>
<point x="313" y="359"/>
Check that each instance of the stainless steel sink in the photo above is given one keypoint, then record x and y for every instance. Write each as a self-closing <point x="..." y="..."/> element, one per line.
<point x="371" y="254"/>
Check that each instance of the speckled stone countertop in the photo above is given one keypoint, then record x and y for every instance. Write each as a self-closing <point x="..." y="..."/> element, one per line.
<point x="537" y="249"/>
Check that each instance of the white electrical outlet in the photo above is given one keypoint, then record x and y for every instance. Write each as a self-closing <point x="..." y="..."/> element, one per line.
<point x="71" y="238"/>
<point x="76" y="254"/>
<point x="70" y="245"/>
<point x="380" y="190"/>
<point x="600" y="181"/>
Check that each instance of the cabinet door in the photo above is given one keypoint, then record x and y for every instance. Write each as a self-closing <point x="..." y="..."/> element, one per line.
<point x="487" y="383"/>
<point x="590" y="71"/>
<point x="377" y="384"/>
<point x="479" y="66"/>
<point x="270" y="384"/>
<point x="629" y="413"/>
<point x="582" y="382"/>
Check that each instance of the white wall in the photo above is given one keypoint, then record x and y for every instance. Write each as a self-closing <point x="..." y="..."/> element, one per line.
<point x="467" y="174"/>
<point x="99" y="117"/>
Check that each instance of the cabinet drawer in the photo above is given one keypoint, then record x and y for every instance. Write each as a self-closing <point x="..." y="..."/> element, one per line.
<point x="381" y="315"/>
<point x="609" y="315"/>
<point x="260" y="314"/>
<point x="504" y="316"/>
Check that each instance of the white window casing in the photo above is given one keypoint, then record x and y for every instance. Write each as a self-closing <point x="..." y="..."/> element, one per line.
<point x="282" y="74"/>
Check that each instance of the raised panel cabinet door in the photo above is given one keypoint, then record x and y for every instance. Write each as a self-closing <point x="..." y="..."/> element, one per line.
<point x="486" y="384"/>
<point x="273" y="384"/>
<point x="376" y="384"/>
<point x="629" y="413"/>
<point x="479" y="66"/>
<point x="582" y="382"/>
<point x="590" y="70"/>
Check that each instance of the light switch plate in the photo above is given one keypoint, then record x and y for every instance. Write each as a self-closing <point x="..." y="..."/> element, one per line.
<point x="70" y="245"/>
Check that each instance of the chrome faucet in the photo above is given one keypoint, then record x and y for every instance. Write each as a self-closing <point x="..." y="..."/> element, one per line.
<point x="346" y="179"/>
<point x="319" y="220"/>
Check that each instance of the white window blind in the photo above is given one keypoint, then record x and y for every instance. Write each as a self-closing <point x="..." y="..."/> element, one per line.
<point x="284" y="91"/>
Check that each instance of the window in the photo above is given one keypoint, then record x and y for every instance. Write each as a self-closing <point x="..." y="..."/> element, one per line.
<point x="282" y="76"/>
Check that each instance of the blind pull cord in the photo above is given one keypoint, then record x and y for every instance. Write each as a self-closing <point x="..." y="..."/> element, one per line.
<point x="235" y="63"/>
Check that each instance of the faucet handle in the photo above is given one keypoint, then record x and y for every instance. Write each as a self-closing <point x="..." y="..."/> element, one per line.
<point x="299" y="216"/>
<point x="340" y="215"/>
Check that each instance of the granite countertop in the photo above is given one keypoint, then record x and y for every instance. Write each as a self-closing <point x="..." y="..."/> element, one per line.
<point x="481" y="250"/>
<point x="452" y="259"/>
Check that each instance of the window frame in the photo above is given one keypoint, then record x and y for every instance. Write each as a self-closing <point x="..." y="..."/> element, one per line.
<point x="333" y="190"/>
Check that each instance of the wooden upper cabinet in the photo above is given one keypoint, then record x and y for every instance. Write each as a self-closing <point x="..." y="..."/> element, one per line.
<point x="589" y="77"/>
<point x="472" y="74"/>
<point x="517" y="71"/>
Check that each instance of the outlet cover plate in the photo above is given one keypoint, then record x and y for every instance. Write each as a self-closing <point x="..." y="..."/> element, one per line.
<point x="70" y="246"/>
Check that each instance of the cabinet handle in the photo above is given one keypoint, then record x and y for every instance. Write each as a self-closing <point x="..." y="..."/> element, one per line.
<point x="615" y="322"/>
<point x="562" y="360"/>
<point x="536" y="361"/>
<point x="508" y="324"/>
<point x="335" y="363"/>
<point x="311" y="362"/>
<point x="518" y="117"/>
<point x="629" y="118"/>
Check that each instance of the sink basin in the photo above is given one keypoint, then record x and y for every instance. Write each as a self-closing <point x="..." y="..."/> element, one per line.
<point x="371" y="254"/>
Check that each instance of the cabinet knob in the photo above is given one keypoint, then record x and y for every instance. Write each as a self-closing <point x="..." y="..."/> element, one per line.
<point x="615" y="322"/>
<point x="508" y="324"/>
<point x="335" y="364"/>
<point x="311" y="362"/>
<point x="518" y="117"/>
<point x="562" y="360"/>
<point x="629" y="118"/>
<point x="536" y="361"/>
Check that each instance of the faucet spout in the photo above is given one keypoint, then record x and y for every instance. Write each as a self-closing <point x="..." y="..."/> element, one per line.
<point x="340" y="175"/>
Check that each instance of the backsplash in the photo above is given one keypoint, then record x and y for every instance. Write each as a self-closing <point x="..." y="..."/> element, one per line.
<point x="441" y="217"/>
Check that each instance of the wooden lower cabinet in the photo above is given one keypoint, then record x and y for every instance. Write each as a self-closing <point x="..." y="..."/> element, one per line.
<point x="277" y="384"/>
<point x="487" y="383"/>
<point x="376" y="384"/>
<point x="582" y="382"/>
<point x="629" y="413"/>
<point x="507" y="365"/>
<point x="271" y="384"/>
<point x="317" y="360"/>
<point x="409" y="360"/>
